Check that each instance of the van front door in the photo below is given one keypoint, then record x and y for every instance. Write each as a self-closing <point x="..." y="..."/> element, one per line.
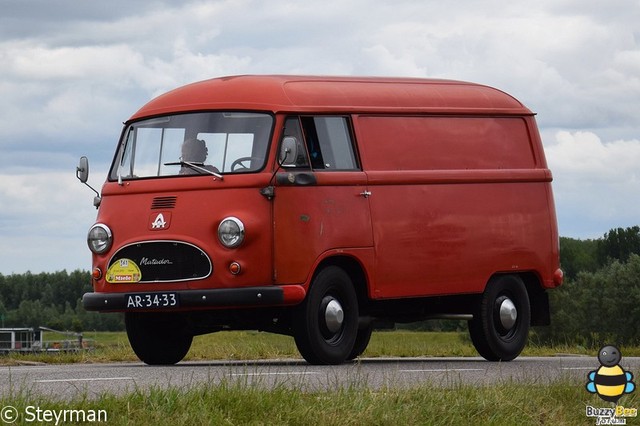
<point x="321" y="199"/>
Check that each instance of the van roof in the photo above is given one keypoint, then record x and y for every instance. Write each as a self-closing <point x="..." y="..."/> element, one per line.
<point x="281" y="93"/>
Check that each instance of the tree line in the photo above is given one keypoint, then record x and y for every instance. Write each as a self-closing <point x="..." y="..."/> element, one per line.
<point x="598" y="303"/>
<point x="51" y="300"/>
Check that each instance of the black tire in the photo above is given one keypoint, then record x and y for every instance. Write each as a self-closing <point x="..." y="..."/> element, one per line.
<point x="498" y="339"/>
<point x="157" y="339"/>
<point x="320" y="340"/>
<point x="361" y="343"/>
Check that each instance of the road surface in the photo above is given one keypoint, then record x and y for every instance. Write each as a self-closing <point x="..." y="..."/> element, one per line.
<point x="93" y="380"/>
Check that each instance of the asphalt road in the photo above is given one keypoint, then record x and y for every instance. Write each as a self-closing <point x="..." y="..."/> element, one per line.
<point x="94" y="380"/>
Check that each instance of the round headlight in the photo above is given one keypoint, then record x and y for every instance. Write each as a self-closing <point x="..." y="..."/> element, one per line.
<point x="231" y="232"/>
<point x="99" y="238"/>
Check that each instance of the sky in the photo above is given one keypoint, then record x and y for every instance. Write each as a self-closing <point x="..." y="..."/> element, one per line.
<point x="72" y="71"/>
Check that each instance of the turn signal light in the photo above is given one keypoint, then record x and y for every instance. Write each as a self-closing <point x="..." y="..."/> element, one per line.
<point x="558" y="277"/>
<point x="235" y="268"/>
<point x="96" y="274"/>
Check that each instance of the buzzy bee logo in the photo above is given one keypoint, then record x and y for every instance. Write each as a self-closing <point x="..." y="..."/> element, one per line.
<point x="610" y="382"/>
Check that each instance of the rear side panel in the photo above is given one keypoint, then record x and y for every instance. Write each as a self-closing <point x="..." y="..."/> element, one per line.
<point x="454" y="200"/>
<point x="449" y="238"/>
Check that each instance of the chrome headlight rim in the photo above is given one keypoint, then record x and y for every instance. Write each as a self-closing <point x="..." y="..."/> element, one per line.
<point x="231" y="232"/>
<point x="97" y="243"/>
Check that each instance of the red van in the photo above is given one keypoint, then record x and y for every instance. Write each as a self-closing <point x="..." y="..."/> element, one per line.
<point x="322" y="207"/>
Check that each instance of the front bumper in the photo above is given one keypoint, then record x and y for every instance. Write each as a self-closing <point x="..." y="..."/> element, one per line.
<point x="198" y="299"/>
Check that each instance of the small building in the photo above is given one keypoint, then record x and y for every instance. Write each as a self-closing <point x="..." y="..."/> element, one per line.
<point x="20" y="339"/>
<point x="30" y="339"/>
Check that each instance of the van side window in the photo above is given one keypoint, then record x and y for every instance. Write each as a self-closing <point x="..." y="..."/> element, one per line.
<point x="329" y="143"/>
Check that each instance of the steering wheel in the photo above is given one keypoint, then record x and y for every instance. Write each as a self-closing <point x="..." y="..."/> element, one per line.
<point x="238" y="164"/>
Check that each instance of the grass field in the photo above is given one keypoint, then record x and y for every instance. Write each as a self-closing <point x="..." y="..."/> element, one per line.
<point x="248" y="345"/>
<point x="560" y="403"/>
<point x="232" y="403"/>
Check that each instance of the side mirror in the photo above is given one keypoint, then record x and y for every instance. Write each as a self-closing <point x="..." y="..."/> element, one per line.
<point x="289" y="151"/>
<point x="82" y="171"/>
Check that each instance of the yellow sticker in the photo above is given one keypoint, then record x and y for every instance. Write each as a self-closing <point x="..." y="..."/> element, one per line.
<point x="124" y="271"/>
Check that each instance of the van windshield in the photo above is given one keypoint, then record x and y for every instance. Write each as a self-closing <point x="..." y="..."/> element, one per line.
<point x="193" y="144"/>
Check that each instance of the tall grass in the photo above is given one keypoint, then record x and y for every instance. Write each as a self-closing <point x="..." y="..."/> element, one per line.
<point x="234" y="403"/>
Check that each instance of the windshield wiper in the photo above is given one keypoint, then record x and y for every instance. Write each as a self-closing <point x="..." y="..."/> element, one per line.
<point x="195" y="166"/>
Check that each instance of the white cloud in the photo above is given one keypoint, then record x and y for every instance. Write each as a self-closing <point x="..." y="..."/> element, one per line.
<point x="596" y="184"/>
<point x="583" y="155"/>
<point x="65" y="63"/>
<point x="53" y="202"/>
<point x="43" y="222"/>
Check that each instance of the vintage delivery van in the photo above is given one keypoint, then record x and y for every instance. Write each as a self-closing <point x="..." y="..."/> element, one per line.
<point x="322" y="208"/>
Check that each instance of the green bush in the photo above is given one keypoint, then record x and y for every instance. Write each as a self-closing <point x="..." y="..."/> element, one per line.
<point x="596" y="308"/>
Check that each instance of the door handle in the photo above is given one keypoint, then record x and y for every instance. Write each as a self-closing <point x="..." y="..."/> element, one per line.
<point x="366" y="194"/>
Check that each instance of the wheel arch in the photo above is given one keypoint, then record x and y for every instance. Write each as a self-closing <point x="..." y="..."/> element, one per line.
<point x="354" y="268"/>
<point x="538" y="296"/>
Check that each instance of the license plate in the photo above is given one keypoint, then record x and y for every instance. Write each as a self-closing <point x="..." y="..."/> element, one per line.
<point x="152" y="300"/>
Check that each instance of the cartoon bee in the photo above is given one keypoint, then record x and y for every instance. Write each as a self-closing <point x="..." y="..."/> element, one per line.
<point x="610" y="381"/>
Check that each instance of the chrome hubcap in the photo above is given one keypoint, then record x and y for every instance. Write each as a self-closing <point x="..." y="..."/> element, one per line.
<point x="508" y="313"/>
<point x="333" y="315"/>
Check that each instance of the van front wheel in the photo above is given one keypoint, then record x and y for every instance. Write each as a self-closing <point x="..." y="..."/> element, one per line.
<point x="326" y="323"/>
<point x="500" y="326"/>
<point x="157" y="339"/>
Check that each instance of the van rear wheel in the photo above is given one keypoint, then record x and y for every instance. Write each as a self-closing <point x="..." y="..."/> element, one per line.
<point x="500" y="326"/>
<point x="326" y="323"/>
<point x="156" y="338"/>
